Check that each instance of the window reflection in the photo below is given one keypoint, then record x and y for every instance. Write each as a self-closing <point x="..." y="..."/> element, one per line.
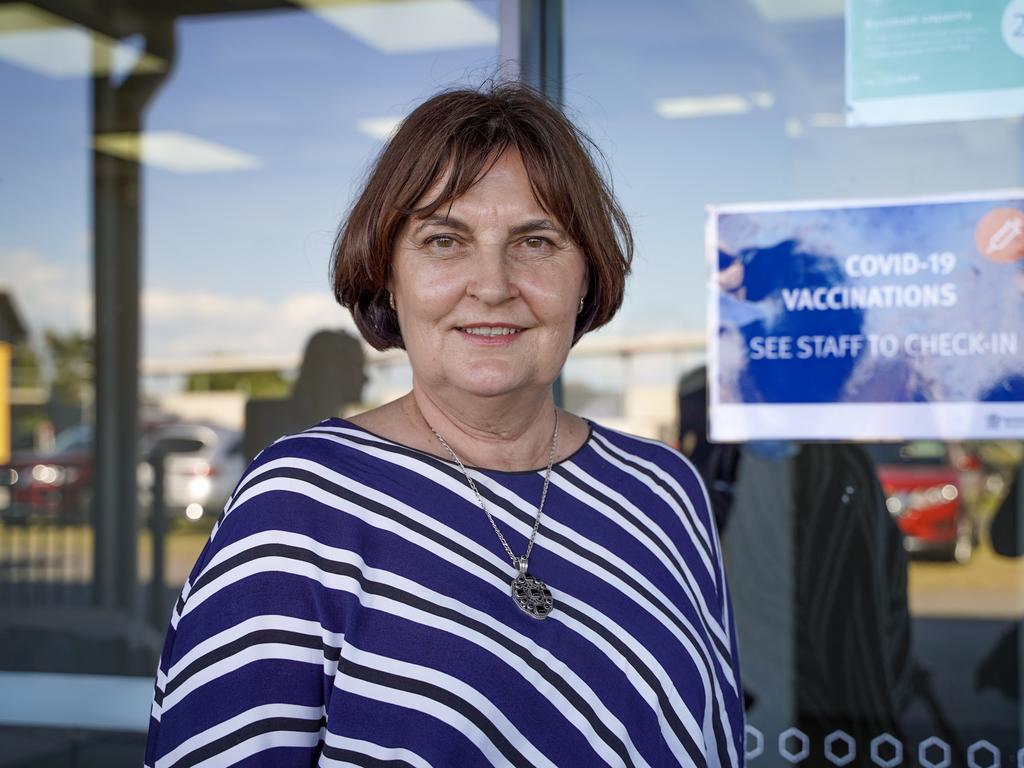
<point x="172" y="178"/>
<point x="877" y="610"/>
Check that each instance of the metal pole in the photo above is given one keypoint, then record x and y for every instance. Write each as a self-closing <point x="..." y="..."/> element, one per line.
<point x="116" y="290"/>
<point x="541" y="46"/>
<point x="158" y="525"/>
<point x="118" y="108"/>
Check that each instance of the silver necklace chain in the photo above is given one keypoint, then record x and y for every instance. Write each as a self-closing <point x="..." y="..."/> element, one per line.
<point x="544" y="495"/>
<point x="530" y="594"/>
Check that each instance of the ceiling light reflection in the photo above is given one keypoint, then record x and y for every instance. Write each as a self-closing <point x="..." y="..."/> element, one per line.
<point x="175" y="152"/>
<point x="798" y="10"/>
<point x="409" y="26"/>
<point x="49" y="45"/>
<point x="714" y="104"/>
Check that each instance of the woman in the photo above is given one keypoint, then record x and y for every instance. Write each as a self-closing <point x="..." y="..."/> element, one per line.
<point x="468" y="575"/>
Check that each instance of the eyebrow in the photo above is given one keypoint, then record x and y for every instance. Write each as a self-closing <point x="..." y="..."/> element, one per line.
<point x="533" y="225"/>
<point x="443" y="221"/>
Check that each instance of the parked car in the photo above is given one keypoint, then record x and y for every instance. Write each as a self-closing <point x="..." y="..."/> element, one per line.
<point x="201" y="466"/>
<point x="50" y="486"/>
<point x="923" y="482"/>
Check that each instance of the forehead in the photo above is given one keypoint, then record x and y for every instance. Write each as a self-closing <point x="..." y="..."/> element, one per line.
<point x="503" y="183"/>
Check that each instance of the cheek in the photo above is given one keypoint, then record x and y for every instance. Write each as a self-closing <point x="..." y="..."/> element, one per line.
<point x="556" y="298"/>
<point x="430" y="295"/>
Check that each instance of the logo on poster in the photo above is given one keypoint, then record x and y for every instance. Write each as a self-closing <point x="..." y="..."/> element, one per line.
<point x="1000" y="233"/>
<point x="1013" y="26"/>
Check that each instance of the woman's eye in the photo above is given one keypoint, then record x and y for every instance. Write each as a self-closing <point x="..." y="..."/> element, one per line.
<point x="442" y="241"/>
<point x="535" y="242"/>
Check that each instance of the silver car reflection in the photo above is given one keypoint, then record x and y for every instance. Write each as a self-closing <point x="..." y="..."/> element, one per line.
<point x="201" y="466"/>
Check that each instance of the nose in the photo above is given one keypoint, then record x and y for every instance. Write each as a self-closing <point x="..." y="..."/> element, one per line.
<point x="491" y="279"/>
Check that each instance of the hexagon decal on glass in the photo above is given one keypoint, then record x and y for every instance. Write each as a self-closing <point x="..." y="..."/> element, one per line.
<point x="753" y="742"/>
<point x="840" y="748"/>
<point x="801" y="752"/>
<point x="886" y="751"/>
<point x="979" y="750"/>
<point x="933" y="752"/>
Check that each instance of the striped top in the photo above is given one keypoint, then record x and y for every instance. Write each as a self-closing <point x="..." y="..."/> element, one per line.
<point x="352" y="607"/>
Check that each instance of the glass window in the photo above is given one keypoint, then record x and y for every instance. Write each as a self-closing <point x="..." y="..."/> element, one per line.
<point x="878" y="594"/>
<point x="207" y="151"/>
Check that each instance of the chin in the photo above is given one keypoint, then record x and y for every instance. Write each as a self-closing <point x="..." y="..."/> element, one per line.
<point x="493" y="388"/>
<point x="495" y="384"/>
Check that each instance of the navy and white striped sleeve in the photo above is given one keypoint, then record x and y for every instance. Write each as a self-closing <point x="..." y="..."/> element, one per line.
<point x="702" y="502"/>
<point x="735" y="703"/>
<point x="242" y="678"/>
<point x="692" y="485"/>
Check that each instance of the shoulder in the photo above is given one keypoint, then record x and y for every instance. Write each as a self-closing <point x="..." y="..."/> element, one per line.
<point x="327" y="453"/>
<point x="654" y="463"/>
<point x="668" y="481"/>
<point x="645" y="451"/>
<point x="289" y="484"/>
<point x="286" y="514"/>
<point x="319" y="442"/>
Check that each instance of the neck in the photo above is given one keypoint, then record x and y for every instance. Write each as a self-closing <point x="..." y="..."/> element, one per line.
<point x="500" y="434"/>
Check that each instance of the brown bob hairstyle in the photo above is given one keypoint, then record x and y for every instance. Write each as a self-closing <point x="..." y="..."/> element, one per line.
<point x="458" y="135"/>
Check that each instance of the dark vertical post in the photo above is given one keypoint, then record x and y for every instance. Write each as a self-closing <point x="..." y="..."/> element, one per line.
<point x="158" y="523"/>
<point x="118" y="108"/>
<point x="540" y="47"/>
<point x="116" y="291"/>
<point x="540" y="64"/>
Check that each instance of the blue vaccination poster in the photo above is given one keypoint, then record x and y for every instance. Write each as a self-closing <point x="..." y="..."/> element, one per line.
<point x="867" y="320"/>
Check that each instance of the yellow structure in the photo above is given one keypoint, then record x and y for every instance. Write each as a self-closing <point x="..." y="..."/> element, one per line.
<point x="5" y="402"/>
<point x="12" y="331"/>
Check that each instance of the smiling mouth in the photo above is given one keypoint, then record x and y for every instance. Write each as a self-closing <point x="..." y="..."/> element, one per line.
<point x="490" y="330"/>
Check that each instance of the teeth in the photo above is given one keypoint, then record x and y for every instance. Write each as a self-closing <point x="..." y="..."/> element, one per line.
<point x="491" y="331"/>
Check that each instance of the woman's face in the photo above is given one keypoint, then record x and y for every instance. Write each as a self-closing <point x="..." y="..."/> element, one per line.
<point x="487" y="290"/>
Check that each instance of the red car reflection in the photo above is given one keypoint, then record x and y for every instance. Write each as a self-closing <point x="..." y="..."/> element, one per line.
<point x="923" y="493"/>
<point x="55" y="485"/>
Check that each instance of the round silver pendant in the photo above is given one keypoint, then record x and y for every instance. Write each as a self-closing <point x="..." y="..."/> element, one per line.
<point x="532" y="595"/>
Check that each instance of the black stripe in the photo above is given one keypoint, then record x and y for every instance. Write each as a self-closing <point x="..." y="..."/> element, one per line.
<point x="330" y="566"/>
<point x="447" y="544"/>
<point x="444" y="696"/>
<point x="601" y="562"/>
<point x="699" y="645"/>
<point x="494" y="499"/>
<point x="719" y="645"/>
<point x="383" y="510"/>
<point x="360" y="759"/>
<point x="698" y="525"/>
<point x="258" y="728"/>
<point x="425" y="458"/>
<point x="649" y="677"/>
<point x="368" y="586"/>
<point x="640" y="469"/>
<point x="256" y="637"/>
<point x="561" y="539"/>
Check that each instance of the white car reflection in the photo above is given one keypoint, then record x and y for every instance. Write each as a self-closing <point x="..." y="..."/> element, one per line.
<point x="201" y="466"/>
